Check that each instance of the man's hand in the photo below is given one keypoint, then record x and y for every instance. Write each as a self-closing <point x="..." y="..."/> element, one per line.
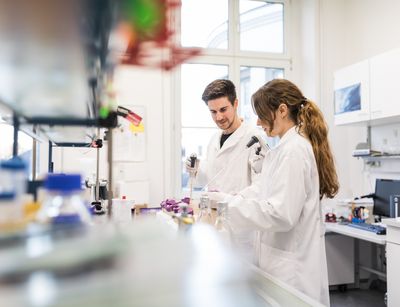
<point x="192" y="165"/>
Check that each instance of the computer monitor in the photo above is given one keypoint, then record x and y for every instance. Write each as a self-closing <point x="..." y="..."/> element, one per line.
<point x="383" y="189"/>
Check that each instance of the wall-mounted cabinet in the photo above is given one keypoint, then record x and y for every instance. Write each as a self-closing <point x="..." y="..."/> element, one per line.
<point x="384" y="85"/>
<point x="351" y="89"/>
<point x="367" y="92"/>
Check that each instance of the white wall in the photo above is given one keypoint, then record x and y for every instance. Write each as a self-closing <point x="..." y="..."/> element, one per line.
<point x="351" y="31"/>
<point x="304" y="47"/>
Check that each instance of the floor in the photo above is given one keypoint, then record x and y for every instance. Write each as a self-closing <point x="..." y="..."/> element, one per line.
<point x="357" y="297"/>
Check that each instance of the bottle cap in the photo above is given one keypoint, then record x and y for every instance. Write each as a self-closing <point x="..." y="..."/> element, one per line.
<point x="63" y="182"/>
<point x="13" y="164"/>
<point x="71" y="219"/>
<point x="7" y="196"/>
<point x="204" y="197"/>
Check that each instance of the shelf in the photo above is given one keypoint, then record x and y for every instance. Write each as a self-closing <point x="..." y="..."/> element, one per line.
<point x="379" y="158"/>
<point x="53" y="63"/>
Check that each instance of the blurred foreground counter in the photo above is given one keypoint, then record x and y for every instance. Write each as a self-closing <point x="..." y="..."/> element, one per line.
<point x="144" y="263"/>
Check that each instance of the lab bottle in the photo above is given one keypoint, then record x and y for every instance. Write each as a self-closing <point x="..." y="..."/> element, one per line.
<point x="204" y="210"/>
<point x="122" y="209"/>
<point x="10" y="212"/>
<point x="13" y="176"/>
<point x="63" y="204"/>
<point x="221" y="223"/>
<point x="185" y="219"/>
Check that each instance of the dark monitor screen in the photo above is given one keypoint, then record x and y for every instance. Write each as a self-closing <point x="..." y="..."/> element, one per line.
<point x="383" y="189"/>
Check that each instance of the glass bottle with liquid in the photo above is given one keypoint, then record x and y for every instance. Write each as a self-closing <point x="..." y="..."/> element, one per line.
<point x="221" y="222"/>
<point x="204" y="215"/>
<point x="64" y="204"/>
<point x="185" y="219"/>
<point x="13" y="176"/>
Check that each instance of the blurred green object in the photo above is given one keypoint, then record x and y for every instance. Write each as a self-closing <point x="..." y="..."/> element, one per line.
<point x="146" y="16"/>
<point x="103" y="112"/>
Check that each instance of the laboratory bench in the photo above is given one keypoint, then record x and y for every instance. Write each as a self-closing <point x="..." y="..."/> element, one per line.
<point x="343" y="254"/>
<point x="145" y="262"/>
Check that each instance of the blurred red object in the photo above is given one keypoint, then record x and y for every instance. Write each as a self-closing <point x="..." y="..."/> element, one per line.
<point x="149" y="38"/>
<point x="330" y="218"/>
<point x="129" y="115"/>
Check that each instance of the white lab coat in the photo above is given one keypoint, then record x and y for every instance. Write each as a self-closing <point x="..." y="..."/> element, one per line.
<point x="233" y="161"/>
<point x="287" y="213"/>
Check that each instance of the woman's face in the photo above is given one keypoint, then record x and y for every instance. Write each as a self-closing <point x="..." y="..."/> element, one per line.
<point x="267" y="127"/>
<point x="279" y="129"/>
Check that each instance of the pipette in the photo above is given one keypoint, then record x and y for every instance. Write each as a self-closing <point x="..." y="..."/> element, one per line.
<point x="193" y="158"/>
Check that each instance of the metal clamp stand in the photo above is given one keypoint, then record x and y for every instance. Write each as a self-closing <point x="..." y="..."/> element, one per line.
<point x="96" y="204"/>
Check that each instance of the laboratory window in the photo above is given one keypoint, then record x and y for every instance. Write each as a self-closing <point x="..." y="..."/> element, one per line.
<point x="243" y="41"/>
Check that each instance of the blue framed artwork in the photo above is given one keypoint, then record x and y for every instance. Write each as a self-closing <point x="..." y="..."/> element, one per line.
<point x="348" y="99"/>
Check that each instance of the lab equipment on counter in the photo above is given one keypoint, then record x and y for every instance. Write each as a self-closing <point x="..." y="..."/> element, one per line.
<point x="171" y="205"/>
<point x="10" y="212"/>
<point x="122" y="209"/>
<point x="97" y="197"/>
<point x="185" y="220"/>
<point x="204" y="213"/>
<point x="330" y="217"/>
<point x="193" y="165"/>
<point x="13" y="176"/>
<point x="63" y="204"/>
<point x="221" y="224"/>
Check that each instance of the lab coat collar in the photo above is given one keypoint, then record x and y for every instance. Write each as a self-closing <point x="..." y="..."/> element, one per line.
<point x="287" y="136"/>
<point x="233" y="139"/>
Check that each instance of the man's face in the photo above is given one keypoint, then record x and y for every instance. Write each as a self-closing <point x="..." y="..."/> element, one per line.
<point x="223" y="112"/>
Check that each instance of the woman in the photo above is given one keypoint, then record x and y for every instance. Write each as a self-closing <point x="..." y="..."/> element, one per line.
<point x="296" y="175"/>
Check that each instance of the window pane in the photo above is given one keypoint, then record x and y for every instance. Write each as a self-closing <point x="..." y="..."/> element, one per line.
<point x="261" y="26"/>
<point x="204" y="23"/>
<point x="194" y="140"/>
<point x="251" y="79"/>
<point x="7" y="139"/>
<point x="24" y="145"/>
<point x="195" y="77"/>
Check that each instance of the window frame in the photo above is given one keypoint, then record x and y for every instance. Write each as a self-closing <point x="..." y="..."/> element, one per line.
<point x="234" y="58"/>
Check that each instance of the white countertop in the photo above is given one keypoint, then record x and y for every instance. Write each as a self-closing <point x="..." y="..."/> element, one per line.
<point x="356" y="233"/>
<point x="392" y="222"/>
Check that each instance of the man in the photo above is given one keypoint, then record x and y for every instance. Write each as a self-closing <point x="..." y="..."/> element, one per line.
<point x="230" y="166"/>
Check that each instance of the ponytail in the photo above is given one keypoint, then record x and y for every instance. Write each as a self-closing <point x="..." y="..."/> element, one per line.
<point x="312" y="126"/>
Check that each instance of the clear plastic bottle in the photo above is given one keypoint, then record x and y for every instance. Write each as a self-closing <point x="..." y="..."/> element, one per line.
<point x="10" y="211"/>
<point x="220" y="222"/>
<point x="63" y="204"/>
<point x="185" y="219"/>
<point x="204" y="214"/>
<point x="13" y="177"/>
